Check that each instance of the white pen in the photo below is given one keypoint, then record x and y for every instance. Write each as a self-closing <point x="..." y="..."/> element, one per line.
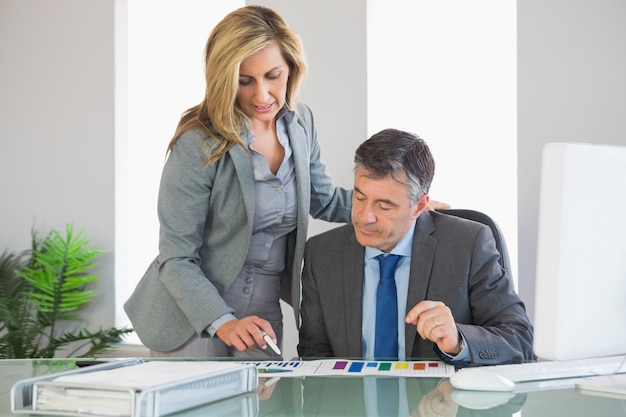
<point x="270" y="381"/>
<point x="270" y="342"/>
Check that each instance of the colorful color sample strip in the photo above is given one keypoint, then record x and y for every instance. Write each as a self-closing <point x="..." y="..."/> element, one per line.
<point x="341" y="367"/>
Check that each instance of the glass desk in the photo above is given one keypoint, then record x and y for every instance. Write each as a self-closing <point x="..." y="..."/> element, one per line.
<point x="359" y="396"/>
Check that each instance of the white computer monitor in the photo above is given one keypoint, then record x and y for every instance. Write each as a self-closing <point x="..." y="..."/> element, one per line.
<point x="580" y="289"/>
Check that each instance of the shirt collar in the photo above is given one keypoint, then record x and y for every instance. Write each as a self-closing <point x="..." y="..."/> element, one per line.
<point x="403" y="248"/>
<point x="284" y="113"/>
<point x="287" y="113"/>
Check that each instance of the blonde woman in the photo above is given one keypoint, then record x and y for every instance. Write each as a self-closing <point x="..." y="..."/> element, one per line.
<point x="243" y="175"/>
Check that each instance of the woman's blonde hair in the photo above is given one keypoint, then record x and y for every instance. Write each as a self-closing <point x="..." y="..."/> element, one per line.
<point x="241" y="34"/>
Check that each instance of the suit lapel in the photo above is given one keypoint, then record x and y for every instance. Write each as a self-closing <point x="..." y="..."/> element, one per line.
<point x="353" y="266"/>
<point x="298" y="142"/>
<point x="243" y="168"/>
<point x="422" y="257"/>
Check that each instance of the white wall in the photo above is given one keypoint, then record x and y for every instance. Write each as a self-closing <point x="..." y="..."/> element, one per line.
<point x="165" y="78"/>
<point x="57" y="128"/>
<point x="447" y="71"/>
<point x="572" y="88"/>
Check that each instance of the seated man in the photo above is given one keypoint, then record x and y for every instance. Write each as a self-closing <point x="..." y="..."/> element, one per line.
<point x="451" y="299"/>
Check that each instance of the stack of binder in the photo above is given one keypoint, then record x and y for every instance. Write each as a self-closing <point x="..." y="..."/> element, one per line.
<point x="133" y="388"/>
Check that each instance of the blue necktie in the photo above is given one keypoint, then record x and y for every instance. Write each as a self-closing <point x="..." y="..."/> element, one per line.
<point x="386" y="343"/>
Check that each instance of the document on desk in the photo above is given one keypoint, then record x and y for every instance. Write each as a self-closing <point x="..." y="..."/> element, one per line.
<point x="345" y="367"/>
<point x="148" y="389"/>
<point x="605" y="386"/>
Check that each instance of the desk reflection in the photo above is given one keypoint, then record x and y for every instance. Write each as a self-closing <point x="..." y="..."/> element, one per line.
<point x="374" y="397"/>
<point x="356" y="396"/>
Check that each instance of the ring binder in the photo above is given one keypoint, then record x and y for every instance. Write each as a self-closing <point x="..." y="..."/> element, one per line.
<point x="133" y="388"/>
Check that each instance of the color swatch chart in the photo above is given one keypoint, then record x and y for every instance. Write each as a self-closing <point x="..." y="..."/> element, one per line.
<point x="344" y="367"/>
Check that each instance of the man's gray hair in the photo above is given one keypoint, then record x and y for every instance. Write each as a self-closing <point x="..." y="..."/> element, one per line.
<point x="402" y="155"/>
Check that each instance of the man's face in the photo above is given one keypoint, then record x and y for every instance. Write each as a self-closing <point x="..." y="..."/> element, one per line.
<point x="382" y="212"/>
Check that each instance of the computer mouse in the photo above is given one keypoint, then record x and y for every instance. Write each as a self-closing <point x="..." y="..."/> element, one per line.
<point x="477" y="379"/>
<point x="480" y="400"/>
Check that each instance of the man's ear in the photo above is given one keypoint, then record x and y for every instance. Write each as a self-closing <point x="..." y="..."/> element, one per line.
<point x="421" y="205"/>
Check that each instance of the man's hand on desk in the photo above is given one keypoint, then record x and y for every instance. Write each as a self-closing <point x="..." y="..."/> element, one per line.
<point x="434" y="322"/>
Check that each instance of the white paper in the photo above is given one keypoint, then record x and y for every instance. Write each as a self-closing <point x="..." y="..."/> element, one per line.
<point x="148" y="374"/>
<point x="612" y="385"/>
<point x="345" y="367"/>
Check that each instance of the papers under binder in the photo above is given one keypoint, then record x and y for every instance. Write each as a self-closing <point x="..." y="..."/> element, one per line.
<point x="144" y="389"/>
<point x="613" y="386"/>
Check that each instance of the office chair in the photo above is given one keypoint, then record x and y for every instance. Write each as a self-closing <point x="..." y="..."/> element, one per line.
<point x="480" y="217"/>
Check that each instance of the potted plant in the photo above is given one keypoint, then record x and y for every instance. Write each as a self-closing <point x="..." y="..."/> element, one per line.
<point x="42" y="291"/>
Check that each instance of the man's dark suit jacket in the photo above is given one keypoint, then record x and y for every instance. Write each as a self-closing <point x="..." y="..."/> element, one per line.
<point x="453" y="260"/>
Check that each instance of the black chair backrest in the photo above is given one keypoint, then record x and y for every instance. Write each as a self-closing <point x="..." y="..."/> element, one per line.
<point x="480" y="217"/>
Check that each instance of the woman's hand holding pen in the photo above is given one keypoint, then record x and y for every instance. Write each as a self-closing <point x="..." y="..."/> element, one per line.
<point x="246" y="333"/>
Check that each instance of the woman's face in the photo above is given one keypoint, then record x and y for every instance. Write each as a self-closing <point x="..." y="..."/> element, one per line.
<point x="263" y="84"/>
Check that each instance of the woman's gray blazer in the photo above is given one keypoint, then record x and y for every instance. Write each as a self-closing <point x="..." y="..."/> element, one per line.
<point x="206" y="220"/>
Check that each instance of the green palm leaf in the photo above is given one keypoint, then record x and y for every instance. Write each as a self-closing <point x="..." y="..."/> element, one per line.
<point x="57" y="274"/>
<point x="37" y="295"/>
